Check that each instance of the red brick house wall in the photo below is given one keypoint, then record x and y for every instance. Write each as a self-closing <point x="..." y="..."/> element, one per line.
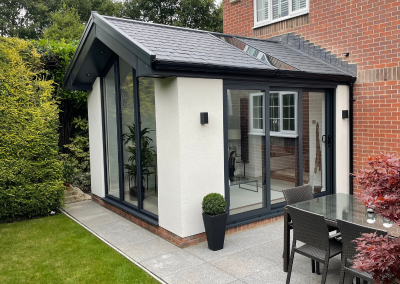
<point x="369" y="31"/>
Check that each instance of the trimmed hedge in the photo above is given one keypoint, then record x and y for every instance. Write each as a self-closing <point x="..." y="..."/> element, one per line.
<point x="30" y="171"/>
<point x="214" y="204"/>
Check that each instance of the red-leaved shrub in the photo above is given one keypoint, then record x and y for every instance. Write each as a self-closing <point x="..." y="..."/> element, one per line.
<point x="380" y="255"/>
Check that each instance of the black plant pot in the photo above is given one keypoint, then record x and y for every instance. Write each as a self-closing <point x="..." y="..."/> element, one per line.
<point x="215" y="230"/>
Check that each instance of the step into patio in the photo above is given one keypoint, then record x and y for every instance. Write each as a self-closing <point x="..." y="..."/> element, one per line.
<point x="252" y="256"/>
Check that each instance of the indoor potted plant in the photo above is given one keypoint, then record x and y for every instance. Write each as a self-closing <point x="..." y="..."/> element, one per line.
<point x="147" y="152"/>
<point x="214" y="217"/>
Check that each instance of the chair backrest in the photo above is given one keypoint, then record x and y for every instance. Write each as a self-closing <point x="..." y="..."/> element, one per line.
<point x="309" y="228"/>
<point x="350" y="232"/>
<point x="298" y="194"/>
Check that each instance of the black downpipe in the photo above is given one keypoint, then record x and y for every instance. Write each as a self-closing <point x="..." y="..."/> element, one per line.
<point x="351" y="135"/>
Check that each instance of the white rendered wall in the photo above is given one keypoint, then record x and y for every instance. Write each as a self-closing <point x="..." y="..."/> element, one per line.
<point x="190" y="156"/>
<point x="342" y="140"/>
<point x="96" y="140"/>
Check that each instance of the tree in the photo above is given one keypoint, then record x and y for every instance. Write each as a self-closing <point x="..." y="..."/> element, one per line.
<point x="64" y="24"/>
<point x="55" y="57"/>
<point x="196" y="14"/>
<point x="379" y="255"/>
<point x="30" y="171"/>
<point x="28" y="19"/>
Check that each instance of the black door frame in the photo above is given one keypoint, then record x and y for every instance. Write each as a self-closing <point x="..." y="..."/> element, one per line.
<point x="271" y="210"/>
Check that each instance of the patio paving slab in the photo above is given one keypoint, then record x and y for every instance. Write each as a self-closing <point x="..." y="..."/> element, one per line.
<point x="250" y="257"/>
<point x="149" y="249"/>
<point x="171" y="262"/>
<point x="202" y="251"/>
<point x="202" y="274"/>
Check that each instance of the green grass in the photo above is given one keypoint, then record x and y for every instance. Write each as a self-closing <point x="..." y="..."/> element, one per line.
<point x="55" y="249"/>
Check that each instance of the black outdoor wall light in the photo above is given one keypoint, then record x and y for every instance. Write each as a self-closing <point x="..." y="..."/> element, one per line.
<point x="203" y="118"/>
<point x="345" y="114"/>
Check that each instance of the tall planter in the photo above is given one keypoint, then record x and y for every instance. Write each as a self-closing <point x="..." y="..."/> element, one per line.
<point x="215" y="230"/>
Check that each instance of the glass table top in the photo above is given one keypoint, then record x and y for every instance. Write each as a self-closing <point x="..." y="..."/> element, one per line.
<point x="349" y="208"/>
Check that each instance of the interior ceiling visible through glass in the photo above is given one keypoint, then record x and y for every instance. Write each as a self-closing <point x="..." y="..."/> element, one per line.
<point x="268" y="59"/>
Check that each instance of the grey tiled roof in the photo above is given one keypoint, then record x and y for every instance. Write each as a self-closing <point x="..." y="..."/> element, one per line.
<point x="173" y="44"/>
<point x="187" y="46"/>
<point x="293" y="57"/>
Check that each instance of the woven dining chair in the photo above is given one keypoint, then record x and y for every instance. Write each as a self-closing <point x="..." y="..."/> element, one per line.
<point x="299" y="194"/>
<point x="350" y="232"/>
<point x="311" y="229"/>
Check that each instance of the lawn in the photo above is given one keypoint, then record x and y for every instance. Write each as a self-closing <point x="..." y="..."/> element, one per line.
<point x="55" y="249"/>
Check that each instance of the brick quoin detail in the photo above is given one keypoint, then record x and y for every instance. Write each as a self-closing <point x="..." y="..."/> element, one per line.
<point x="171" y="237"/>
<point x="370" y="32"/>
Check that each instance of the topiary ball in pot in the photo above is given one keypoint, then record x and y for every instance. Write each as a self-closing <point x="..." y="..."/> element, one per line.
<point x="214" y="217"/>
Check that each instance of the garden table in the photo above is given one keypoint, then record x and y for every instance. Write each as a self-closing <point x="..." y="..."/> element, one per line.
<point x="333" y="207"/>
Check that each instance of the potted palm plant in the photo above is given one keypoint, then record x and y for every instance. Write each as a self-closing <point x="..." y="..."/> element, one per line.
<point x="214" y="217"/>
<point x="148" y="155"/>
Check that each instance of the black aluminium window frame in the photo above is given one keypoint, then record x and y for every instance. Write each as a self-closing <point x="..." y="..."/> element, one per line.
<point x="276" y="209"/>
<point x="120" y="202"/>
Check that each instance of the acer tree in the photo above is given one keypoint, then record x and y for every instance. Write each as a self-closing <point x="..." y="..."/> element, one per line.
<point x="380" y="255"/>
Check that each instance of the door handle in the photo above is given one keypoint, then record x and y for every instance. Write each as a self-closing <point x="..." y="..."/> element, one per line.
<point x="326" y="138"/>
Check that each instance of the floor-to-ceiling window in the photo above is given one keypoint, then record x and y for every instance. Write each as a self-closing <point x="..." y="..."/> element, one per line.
<point x="131" y="171"/>
<point x="276" y="139"/>
<point x="111" y="143"/>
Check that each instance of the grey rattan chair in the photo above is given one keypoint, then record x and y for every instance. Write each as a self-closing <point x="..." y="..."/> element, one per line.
<point x="311" y="229"/>
<point x="298" y="194"/>
<point x="350" y="232"/>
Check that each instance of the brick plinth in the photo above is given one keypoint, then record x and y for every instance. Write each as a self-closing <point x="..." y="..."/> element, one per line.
<point x="171" y="237"/>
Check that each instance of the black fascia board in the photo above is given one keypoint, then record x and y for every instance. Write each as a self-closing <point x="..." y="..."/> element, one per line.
<point x="135" y="47"/>
<point x="169" y="68"/>
<point x="88" y="35"/>
<point x="100" y="28"/>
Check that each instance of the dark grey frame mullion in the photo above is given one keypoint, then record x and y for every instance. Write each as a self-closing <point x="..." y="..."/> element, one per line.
<point x="119" y="130"/>
<point x="139" y="180"/>
<point x="253" y="213"/>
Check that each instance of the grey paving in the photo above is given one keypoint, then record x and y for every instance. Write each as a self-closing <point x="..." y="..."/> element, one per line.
<point x="249" y="257"/>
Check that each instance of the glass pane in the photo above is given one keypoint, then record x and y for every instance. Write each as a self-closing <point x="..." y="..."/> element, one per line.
<point x="149" y="144"/>
<point x="255" y="124"/>
<point x="128" y="132"/>
<point x="285" y="100"/>
<point x="284" y="166"/>
<point x="298" y="4"/>
<point x="280" y="8"/>
<point x="291" y="125"/>
<point x="246" y="154"/>
<point x="291" y="114"/>
<point x="285" y="124"/>
<point x="313" y="147"/>
<point x="285" y="112"/>
<point x="111" y="135"/>
<point x="291" y="97"/>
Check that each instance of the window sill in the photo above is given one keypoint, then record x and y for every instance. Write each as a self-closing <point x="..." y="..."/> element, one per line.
<point x="263" y="24"/>
<point x="286" y="135"/>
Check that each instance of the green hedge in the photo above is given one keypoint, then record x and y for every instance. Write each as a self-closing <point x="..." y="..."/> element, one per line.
<point x="30" y="171"/>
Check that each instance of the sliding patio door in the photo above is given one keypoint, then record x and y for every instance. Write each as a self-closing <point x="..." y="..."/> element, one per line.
<point x="276" y="139"/>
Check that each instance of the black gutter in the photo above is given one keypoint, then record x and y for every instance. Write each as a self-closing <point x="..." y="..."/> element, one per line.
<point x="351" y="137"/>
<point x="161" y="66"/>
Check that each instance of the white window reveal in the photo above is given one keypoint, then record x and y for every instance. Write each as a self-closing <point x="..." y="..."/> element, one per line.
<point x="271" y="11"/>
<point x="282" y="114"/>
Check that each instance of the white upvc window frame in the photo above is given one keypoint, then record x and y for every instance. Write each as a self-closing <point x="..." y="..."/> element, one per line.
<point x="256" y="131"/>
<point x="269" y="21"/>
<point x="281" y="132"/>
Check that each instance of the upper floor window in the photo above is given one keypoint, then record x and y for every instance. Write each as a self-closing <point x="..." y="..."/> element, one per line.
<point x="271" y="11"/>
